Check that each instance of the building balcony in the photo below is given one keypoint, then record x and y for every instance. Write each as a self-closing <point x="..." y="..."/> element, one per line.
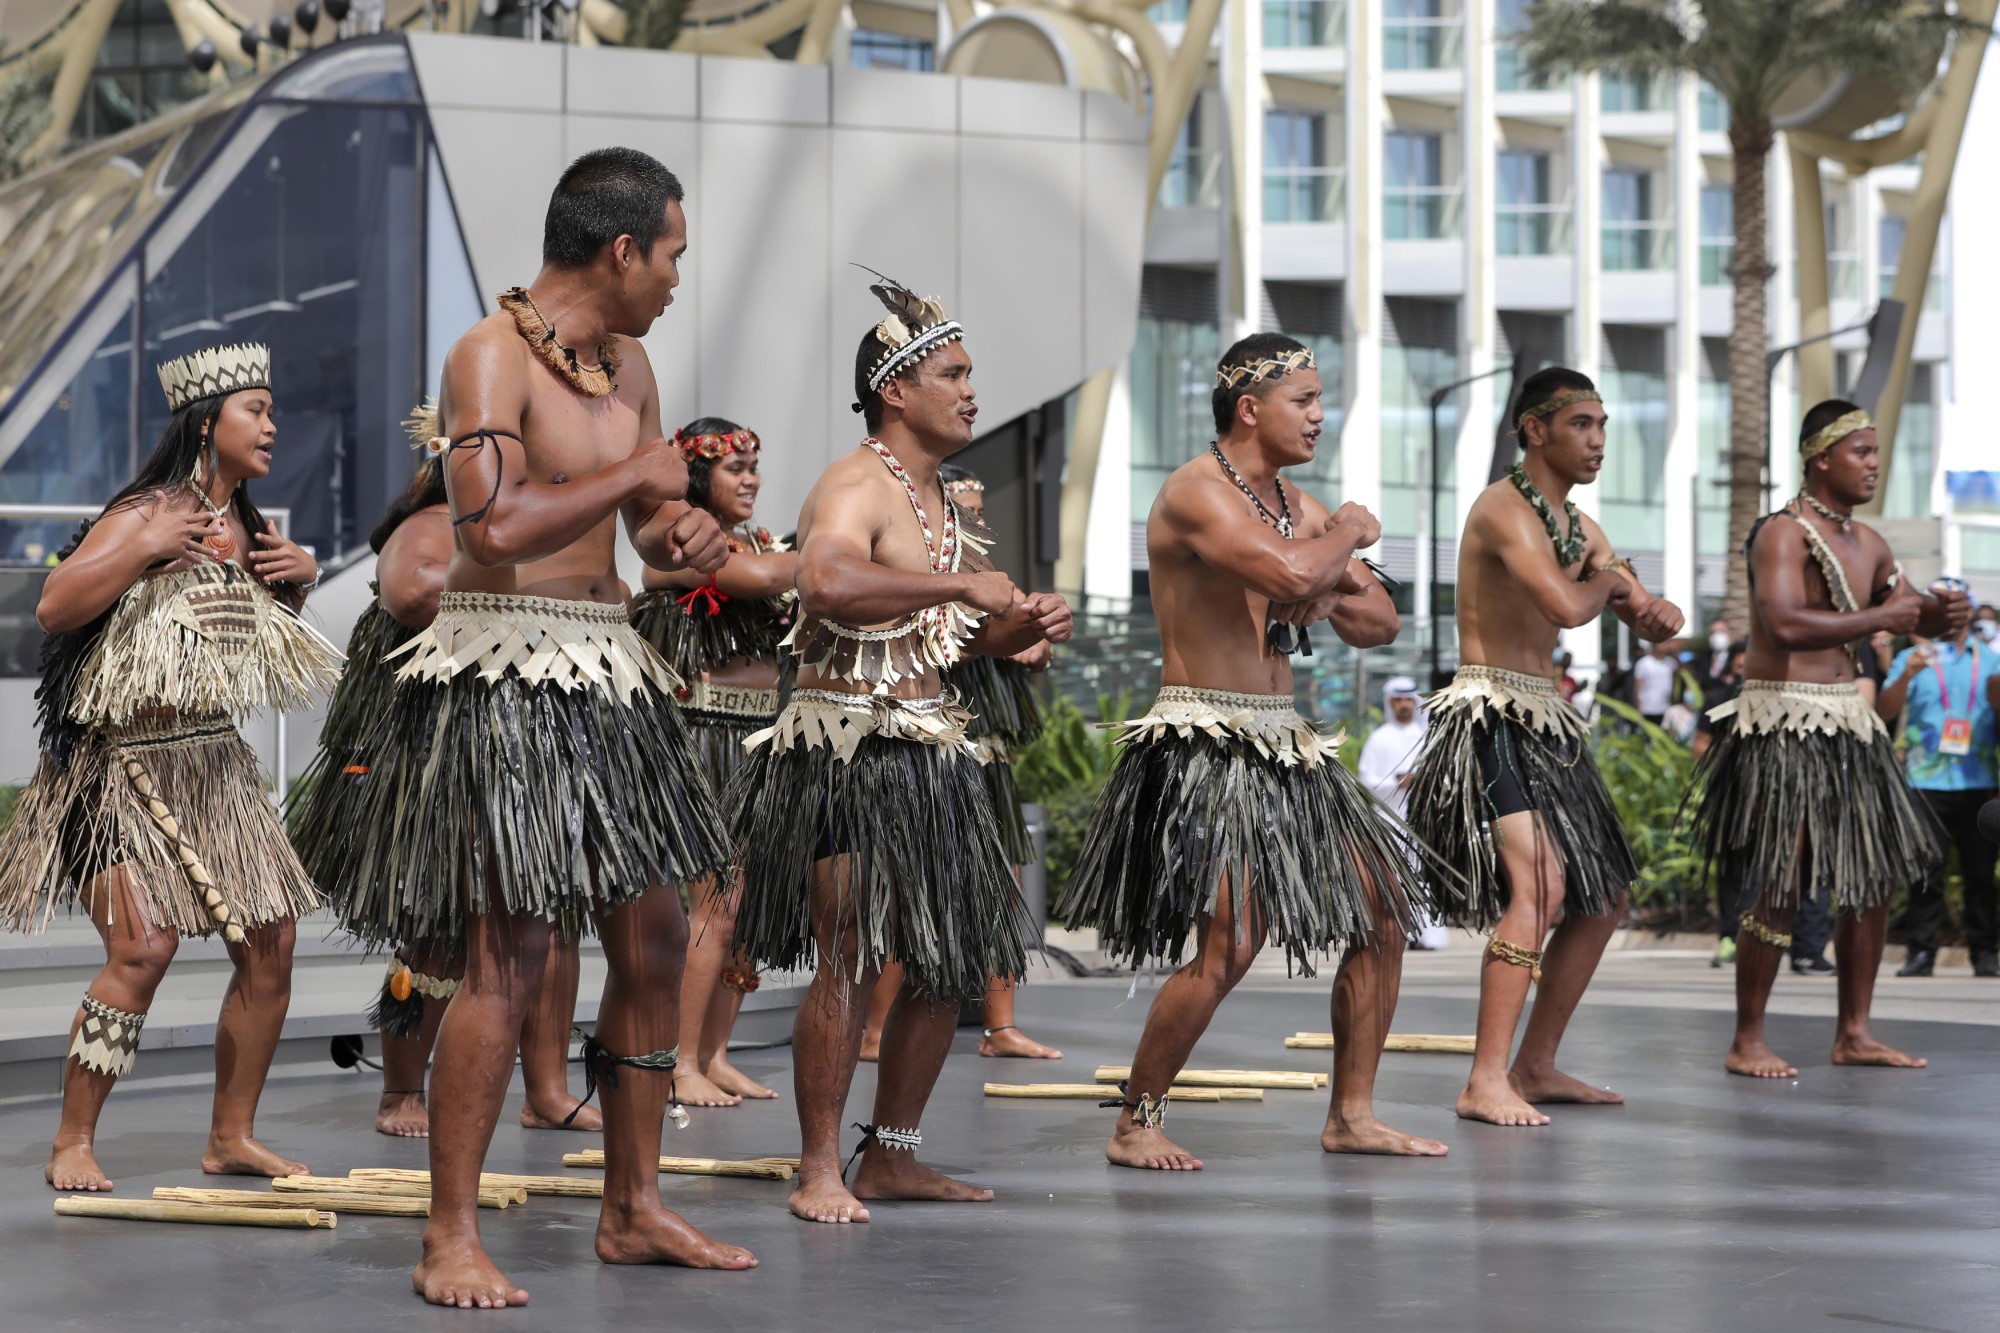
<point x="1422" y="213"/>
<point x="1193" y="180"/>
<point x="1716" y="256"/>
<point x="1423" y="58"/>
<point x="1532" y="229"/>
<point x="1291" y="25"/>
<point x="1637" y="107"/>
<point x="1539" y="282"/>
<point x="1636" y="247"/>
<point x="1422" y="43"/>
<point x="1305" y="195"/>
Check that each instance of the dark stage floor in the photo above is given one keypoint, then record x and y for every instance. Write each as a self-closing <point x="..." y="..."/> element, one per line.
<point x="1852" y="1199"/>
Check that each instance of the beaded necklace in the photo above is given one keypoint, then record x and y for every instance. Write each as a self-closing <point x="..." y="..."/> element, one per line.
<point x="1282" y="520"/>
<point x="1569" y="549"/>
<point x="1844" y="521"/>
<point x="1281" y="636"/>
<point x="941" y="558"/>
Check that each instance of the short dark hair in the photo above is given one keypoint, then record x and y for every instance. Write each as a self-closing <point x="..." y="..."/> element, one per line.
<point x="605" y="194"/>
<point x="950" y="474"/>
<point x="868" y="401"/>
<point x="699" y="467"/>
<point x="1248" y="351"/>
<point x="1543" y="385"/>
<point x="1822" y="415"/>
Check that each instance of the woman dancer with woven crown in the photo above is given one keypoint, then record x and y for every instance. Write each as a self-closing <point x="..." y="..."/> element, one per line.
<point x="412" y="545"/>
<point x="171" y="617"/>
<point x="720" y="633"/>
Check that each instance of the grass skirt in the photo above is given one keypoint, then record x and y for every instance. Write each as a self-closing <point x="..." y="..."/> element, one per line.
<point x="72" y="823"/>
<point x="1545" y="743"/>
<point x="720" y="718"/>
<point x="1801" y="788"/>
<point x="893" y="785"/>
<point x="1211" y="784"/>
<point x="530" y="762"/>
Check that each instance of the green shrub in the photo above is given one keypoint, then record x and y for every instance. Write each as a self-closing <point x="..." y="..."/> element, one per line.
<point x="1064" y="771"/>
<point x="1648" y="772"/>
<point x="8" y="795"/>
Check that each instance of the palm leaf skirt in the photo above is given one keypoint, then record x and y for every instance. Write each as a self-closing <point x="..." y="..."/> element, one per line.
<point x="73" y="822"/>
<point x="511" y="796"/>
<point x="1545" y="745"/>
<point x="925" y="882"/>
<point x="1255" y="800"/>
<point x="1801" y="789"/>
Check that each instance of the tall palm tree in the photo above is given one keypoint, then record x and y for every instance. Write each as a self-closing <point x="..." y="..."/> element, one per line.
<point x="1750" y="52"/>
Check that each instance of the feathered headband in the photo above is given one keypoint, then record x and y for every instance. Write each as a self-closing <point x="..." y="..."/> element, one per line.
<point x="714" y="445"/>
<point x="916" y="327"/>
<point x="213" y="371"/>
<point x="1833" y="433"/>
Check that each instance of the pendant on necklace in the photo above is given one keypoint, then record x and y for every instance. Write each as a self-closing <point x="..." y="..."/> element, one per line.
<point x="222" y="544"/>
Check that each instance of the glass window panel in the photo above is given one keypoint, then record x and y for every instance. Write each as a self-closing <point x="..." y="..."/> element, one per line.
<point x="887" y="50"/>
<point x="1173" y="379"/>
<point x="314" y="246"/>
<point x="1408" y="376"/>
<point x="1632" y="486"/>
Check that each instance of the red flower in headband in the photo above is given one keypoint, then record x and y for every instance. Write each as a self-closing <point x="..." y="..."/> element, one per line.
<point x="717" y="445"/>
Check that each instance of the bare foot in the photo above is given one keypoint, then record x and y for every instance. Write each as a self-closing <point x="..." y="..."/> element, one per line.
<point x="822" y="1196"/>
<point x="1373" y="1137"/>
<point x="1754" y="1059"/>
<point x="891" y="1173"/>
<point x="247" y="1157"/>
<point x="1868" y="1051"/>
<point x="1017" y="1044"/>
<point x="1552" y="1085"/>
<point x="1495" y="1102"/>
<point x="696" y="1090"/>
<point x="871" y="1046"/>
<point x="536" y="1116"/>
<point x="659" y="1236"/>
<point x="403" y="1115"/>
<point x="75" y="1168"/>
<point x="459" y="1273"/>
<point x="1148" y="1150"/>
<point x="733" y="1080"/>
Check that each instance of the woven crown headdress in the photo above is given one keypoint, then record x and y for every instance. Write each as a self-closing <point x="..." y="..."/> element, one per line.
<point x="215" y="370"/>
<point x="1266" y="368"/>
<point x="916" y="327"/>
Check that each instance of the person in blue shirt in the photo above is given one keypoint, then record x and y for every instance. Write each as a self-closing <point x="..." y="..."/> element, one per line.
<point x="1947" y="691"/>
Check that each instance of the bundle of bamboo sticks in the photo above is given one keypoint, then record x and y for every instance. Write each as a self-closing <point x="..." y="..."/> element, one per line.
<point x="1295" y="1080"/>
<point x="1397" y="1041"/>
<point x="1105" y="1092"/>
<point x="490" y="1196"/>
<point x="213" y="1214"/>
<point x="754" y="1168"/>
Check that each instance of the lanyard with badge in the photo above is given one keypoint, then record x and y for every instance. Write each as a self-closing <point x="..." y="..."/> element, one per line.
<point x="1956" y="737"/>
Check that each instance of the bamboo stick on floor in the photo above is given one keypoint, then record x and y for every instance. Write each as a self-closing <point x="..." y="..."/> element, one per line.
<point x="489" y="1197"/>
<point x="1436" y="1042"/>
<point x="337" y="1201"/>
<point x="1107" y="1092"/>
<point x="1295" y="1080"/>
<point x="579" y="1187"/>
<point x="211" y="1214"/>
<point x="754" y="1168"/>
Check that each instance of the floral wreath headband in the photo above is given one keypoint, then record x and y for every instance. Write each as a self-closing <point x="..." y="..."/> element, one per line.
<point x="965" y="486"/>
<point x="1833" y="433"/>
<point x="1543" y="411"/>
<point x="717" y="445"/>
<point x="1270" y="368"/>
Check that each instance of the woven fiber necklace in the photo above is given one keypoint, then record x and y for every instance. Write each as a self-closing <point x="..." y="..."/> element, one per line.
<point x="1845" y="522"/>
<point x="590" y="381"/>
<point x="1569" y="549"/>
<point x="942" y="559"/>
<point x="1280" y="636"/>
